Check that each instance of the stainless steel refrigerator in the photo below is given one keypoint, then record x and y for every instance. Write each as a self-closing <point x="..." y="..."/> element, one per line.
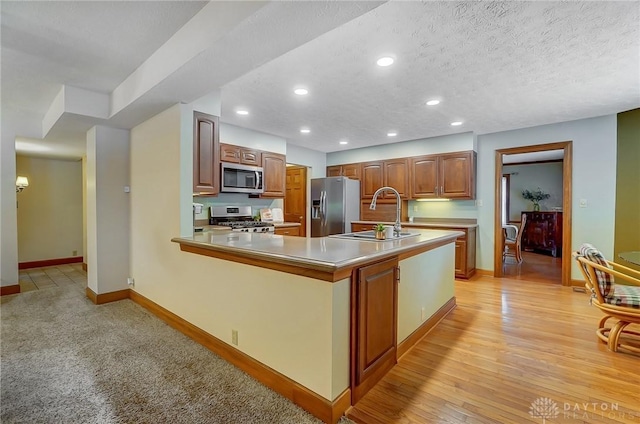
<point x="335" y="202"/>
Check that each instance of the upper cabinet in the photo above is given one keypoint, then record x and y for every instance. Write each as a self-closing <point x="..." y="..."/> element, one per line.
<point x="393" y="173"/>
<point x="206" y="157"/>
<point x="351" y="170"/>
<point x="275" y="170"/>
<point x="237" y="154"/>
<point x="448" y="175"/>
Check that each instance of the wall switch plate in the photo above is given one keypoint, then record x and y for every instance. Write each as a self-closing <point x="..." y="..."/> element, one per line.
<point x="478" y="202"/>
<point x="583" y="203"/>
<point x="234" y="337"/>
<point x="127" y="189"/>
<point x="130" y="281"/>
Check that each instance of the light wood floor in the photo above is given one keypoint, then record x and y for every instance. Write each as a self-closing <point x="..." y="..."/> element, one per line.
<point x="508" y="343"/>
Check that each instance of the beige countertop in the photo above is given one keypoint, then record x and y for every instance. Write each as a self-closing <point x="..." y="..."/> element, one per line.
<point x="425" y="224"/>
<point x="331" y="258"/>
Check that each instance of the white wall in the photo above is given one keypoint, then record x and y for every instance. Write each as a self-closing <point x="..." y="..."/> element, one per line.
<point x="426" y="282"/>
<point x="594" y="179"/>
<point x="108" y="233"/>
<point x="230" y="134"/>
<point x="218" y="296"/>
<point x="50" y="209"/>
<point x="314" y="160"/>
<point x="8" y="216"/>
<point x="425" y="146"/>
<point x="546" y="176"/>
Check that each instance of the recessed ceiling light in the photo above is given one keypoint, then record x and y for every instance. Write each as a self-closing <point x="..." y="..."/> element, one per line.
<point x="392" y="134"/>
<point x="433" y="102"/>
<point x="305" y="130"/>
<point x="456" y="123"/>
<point x="301" y="91"/>
<point x="344" y="142"/>
<point x="242" y="112"/>
<point x="385" y="61"/>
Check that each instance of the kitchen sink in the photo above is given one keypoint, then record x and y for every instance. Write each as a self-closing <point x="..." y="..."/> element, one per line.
<point x="371" y="236"/>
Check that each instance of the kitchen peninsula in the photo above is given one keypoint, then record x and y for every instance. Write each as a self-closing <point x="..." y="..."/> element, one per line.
<point x="336" y="313"/>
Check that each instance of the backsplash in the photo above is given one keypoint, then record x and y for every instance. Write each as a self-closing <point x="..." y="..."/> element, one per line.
<point x="451" y="209"/>
<point x="235" y="199"/>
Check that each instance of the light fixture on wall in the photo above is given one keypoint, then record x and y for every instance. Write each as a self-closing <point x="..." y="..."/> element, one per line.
<point x="21" y="183"/>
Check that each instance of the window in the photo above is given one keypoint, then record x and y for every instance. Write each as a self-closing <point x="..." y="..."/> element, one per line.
<point x="506" y="186"/>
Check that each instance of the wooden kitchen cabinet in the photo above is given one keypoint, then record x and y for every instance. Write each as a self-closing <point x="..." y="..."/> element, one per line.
<point x="288" y="231"/>
<point x="361" y="227"/>
<point x="237" y="154"/>
<point x="374" y="324"/>
<point x="448" y="175"/>
<point x="465" y="255"/>
<point x="393" y="173"/>
<point x="351" y="170"/>
<point x="275" y="169"/>
<point x="206" y="154"/>
<point x="543" y="231"/>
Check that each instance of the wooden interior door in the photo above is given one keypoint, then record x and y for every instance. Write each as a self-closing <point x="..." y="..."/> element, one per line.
<point x="374" y="325"/>
<point x="295" y="199"/>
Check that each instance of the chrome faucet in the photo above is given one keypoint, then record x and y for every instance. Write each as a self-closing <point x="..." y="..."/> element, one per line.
<point x="396" y="227"/>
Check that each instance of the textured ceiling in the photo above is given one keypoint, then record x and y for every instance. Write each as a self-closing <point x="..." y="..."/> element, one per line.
<point x="495" y="65"/>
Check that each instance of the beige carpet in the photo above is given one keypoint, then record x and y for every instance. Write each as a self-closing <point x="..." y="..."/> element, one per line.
<point x="65" y="360"/>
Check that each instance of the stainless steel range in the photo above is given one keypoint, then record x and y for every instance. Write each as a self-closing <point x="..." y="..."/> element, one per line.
<point x="239" y="219"/>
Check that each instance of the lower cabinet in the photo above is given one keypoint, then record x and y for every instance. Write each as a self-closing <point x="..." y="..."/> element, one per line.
<point x="465" y="246"/>
<point x="374" y="324"/>
<point x="288" y="231"/>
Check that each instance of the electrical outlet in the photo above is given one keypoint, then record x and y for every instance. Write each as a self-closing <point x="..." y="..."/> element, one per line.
<point x="478" y="202"/>
<point x="415" y="208"/>
<point x="422" y="314"/>
<point x="131" y="282"/>
<point x="74" y="253"/>
<point x="234" y="337"/>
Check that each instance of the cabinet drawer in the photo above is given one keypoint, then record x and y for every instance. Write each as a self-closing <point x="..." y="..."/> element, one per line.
<point x="288" y="231"/>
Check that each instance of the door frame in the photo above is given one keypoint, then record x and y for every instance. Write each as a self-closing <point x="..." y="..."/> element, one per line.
<point x="567" y="166"/>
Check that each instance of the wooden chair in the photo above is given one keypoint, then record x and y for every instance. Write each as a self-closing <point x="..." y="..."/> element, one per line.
<point x="512" y="246"/>
<point x="617" y="301"/>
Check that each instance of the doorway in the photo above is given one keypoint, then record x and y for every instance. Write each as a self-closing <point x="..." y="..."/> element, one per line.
<point x="295" y="200"/>
<point x="566" y="148"/>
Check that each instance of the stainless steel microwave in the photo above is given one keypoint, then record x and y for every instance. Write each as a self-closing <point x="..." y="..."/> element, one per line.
<point x="236" y="178"/>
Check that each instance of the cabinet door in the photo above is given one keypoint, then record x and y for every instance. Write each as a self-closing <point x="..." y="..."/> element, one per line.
<point x="457" y="175"/>
<point x="424" y="177"/>
<point x="372" y="178"/>
<point x="229" y="153"/>
<point x="288" y="231"/>
<point x="396" y="175"/>
<point x="376" y="299"/>
<point x="461" y="258"/>
<point x="334" y="171"/>
<point x="274" y="166"/>
<point x="206" y="154"/>
<point x="352" y="171"/>
<point x="251" y="157"/>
